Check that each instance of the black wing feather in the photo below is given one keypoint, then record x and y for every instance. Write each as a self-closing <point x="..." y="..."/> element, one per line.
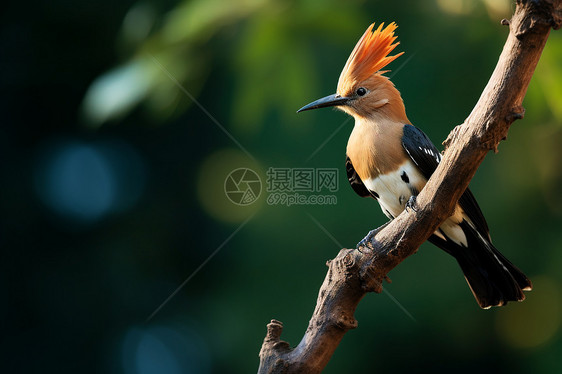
<point x="426" y="156"/>
<point x="354" y="180"/>
<point x="421" y="150"/>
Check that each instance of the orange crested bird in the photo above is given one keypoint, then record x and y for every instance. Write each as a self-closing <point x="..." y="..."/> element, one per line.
<point x="391" y="160"/>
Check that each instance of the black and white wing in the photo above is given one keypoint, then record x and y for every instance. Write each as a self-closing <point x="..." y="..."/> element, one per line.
<point x="424" y="154"/>
<point x="421" y="150"/>
<point x="354" y="180"/>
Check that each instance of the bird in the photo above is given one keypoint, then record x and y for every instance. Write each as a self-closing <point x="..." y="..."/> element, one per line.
<point x="390" y="160"/>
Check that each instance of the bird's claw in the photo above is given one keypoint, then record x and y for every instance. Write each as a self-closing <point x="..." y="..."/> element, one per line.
<point x="366" y="242"/>
<point x="411" y="204"/>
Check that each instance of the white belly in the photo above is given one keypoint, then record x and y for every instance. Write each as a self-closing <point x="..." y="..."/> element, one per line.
<point x="394" y="191"/>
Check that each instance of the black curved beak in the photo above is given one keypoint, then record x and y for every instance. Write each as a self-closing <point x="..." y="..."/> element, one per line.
<point x="332" y="100"/>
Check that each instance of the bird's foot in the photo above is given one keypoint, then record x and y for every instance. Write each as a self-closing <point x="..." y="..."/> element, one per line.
<point x="366" y="241"/>
<point x="411" y="204"/>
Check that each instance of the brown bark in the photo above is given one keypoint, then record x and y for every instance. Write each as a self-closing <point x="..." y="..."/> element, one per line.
<point x="353" y="273"/>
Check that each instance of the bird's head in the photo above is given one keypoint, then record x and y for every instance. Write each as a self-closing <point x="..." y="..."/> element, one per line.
<point x="363" y="91"/>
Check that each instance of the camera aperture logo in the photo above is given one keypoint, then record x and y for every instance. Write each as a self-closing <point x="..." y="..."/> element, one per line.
<point x="242" y="186"/>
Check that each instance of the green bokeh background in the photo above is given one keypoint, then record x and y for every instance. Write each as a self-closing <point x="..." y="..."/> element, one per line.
<point x="112" y="187"/>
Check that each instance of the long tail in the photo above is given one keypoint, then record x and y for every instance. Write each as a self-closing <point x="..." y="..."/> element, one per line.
<point x="492" y="278"/>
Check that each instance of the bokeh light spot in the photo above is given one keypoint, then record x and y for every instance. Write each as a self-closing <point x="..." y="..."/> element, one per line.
<point x="211" y="185"/>
<point x="117" y="91"/>
<point x="138" y="22"/>
<point x="84" y="182"/>
<point x="532" y="322"/>
<point x="78" y="183"/>
<point x="456" y="7"/>
<point x="162" y="350"/>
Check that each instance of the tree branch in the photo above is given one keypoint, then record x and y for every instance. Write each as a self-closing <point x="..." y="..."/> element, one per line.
<point x="353" y="273"/>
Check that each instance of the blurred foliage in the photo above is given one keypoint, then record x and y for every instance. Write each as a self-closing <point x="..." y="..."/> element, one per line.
<point x="259" y="34"/>
<point x="122" y="121"/>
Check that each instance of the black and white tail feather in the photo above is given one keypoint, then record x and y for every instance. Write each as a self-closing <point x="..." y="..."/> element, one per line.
<point x="492" y="278"/>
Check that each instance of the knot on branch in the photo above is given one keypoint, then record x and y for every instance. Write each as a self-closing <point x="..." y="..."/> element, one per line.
<point x="274" y="330"/>
<point x="489" y="135"/>
<point x="272" y="338"/>
<point x="533" y="16"/>
<point x="371" y="277"/>
<point x="344" y="263"/>
<point x="492" y="142"/>
<point x="273" y="350"/>
<point x="454" y="134"/>
<point x="348" y="260"/>
<point x="553" y="8"/>
<point x="343" y="320"/>
<point x="515" y="114"/>
<point x="556" y="22"/>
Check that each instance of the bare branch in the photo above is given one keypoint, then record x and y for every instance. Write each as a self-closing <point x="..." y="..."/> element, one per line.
<point x="353" y="273"/>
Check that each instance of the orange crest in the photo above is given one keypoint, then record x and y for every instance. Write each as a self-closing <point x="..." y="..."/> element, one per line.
<point x="369" y="56"/>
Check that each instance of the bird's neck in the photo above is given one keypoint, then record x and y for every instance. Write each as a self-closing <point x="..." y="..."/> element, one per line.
<point x="374" y="145"/>
<point x="391" y="112"/>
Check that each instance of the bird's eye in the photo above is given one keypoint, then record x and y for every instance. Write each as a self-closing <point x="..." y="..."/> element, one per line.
<point x="361" y="91"/>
